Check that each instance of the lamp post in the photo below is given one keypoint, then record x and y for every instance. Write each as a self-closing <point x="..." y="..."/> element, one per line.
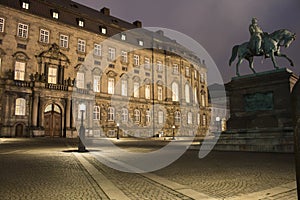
<point x="118" y="130"/>
<point x="218" y="119"/>
<point x="81" y="147"/>
<point x="173" y="128"/>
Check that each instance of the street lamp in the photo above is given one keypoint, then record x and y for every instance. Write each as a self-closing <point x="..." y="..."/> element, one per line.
<point x="118" y="130"/>
<point x="81" y="147"/>
<point x="218" y="119"/>
<point x="173" y="128"/>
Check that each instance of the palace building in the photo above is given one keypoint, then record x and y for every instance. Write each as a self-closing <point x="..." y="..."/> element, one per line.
<point x="61" y="61"/>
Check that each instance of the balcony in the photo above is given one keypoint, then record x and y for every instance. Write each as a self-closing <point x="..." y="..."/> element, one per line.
<point x="19" y="83"/>
<point x="56" y="87"/>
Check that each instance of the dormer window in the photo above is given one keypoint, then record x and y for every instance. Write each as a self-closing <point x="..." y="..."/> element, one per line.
<point x="141" y="42"/>
<point x="55" y="14"/>
<point x="103" y="30"/>
<point x="123" y="37"/>
<point x="80" y="22"/>
<point x="25" y="5"/>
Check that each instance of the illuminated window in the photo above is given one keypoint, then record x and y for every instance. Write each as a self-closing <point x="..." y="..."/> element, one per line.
<point x="137" y="116"/>
<point x="159" y="93"/>
<point x="148" y="116"/>
<point x="124" y="87"/>
<point x="96" y="113"/>
<point x="52" y="75"/>
<point x="159" y="66"/>
<point x="55" y="15"/>
<point x="136" y="60"/>
<point x="124" y="56"/>
<point x="2" y="23"/>
<point x="44" y="36"/>
<point x="141" y="42"/>
<point x="64" y="41"/>
<point x="20" y="107"/>
<point x="189" y="118"/>
<point x="111" y="114"/>
<point x="25" y="5"/>
<point x="103" y="30"/>
<point x="175" y="69"/>
<point x="81" y="23"/>
<point x="111" y="85"/>
<point x="187" y="93"/>
<point x="147" y="91"/>
<point x="19" y="70"/>
<point x="22" y="30"/>
<point x="160" y="117"/>
<point x="136" y="89"/>
<point x="123" y="37"/>
<point x="81" y="45"/>
<point x="175" y="91"/>
<point x="124" y="115"/>
<point x="96" y="83"/>
<point x="177" y="117"/>
<point x="80" y="80"/>
<point x="97" y="50"/>
<point x="111" y="54"/>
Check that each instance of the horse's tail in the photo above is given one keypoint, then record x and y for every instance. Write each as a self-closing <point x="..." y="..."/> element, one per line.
<point x="233" y="54"/>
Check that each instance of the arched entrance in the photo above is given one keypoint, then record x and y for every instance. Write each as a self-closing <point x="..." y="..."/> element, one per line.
<point x="19" y="130"/>
<point x="53" y="119"/>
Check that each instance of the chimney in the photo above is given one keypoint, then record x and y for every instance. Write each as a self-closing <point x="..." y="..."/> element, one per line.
<point x="160" y="32"/>
<point x="105" y="11"/>
<point x="138" y="23"/>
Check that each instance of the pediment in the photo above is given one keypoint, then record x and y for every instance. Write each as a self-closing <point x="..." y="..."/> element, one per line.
<point x="54" y="53"/>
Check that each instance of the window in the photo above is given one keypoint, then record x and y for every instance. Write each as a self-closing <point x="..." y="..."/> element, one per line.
<point x="177" y="117"/>
<point x="111" y="85"/>
<point x="80" y="80"/>
<point x="19" y="70"/>
<point x="25" y="5"/>
<point x="2" y="22"/>
<point x="136" y="89"/>
<point x="195" y="95"/>
<point x="80" y="108"/>
<point x="124" y="87"/>
<point x="160" y="117"/>
<point x="44" y="36"/>
<point x="123" y="37"/>
<point x="22" y="30"/>
<point x="203" y="100"/>
<point x="187" y="93"/>
<point x="124" y="115"/>
<point x="111" y="54"/>
<point x="159" y="93"/>
<point x="141" y="42"/>
<point x="96" y="83"/>
<point x="189" y="118"/>
<point x="81" y="45"/>
<point x="96" y="113"/>
<point x="202" y="78"/>
<point x="124" y="56"/>
<point x="137" y="116"/>
<point x="175" y="69"/>
<point x="52" y="75"/>
<point x="187" y="71"/>
<point x="175" y="91"/>
<point x="97" y="50"/>
<point x="195" y="74"/>
<point x="147" y="91"/>
<point x="148" y="116"/>
<point x="64" y="41"/>
<point x="198" y="118"/>
<point x="159" y="66"/>
<point x="111" y="114"/>
<point x="20" y="106"/>
<point x="103" y="30"/>
<point x="136" y="60"/>
<point x="55" y="15"/>
<point x="80" y="22"/>
<point x="204" y="120"/>
<point x="147" y="63"/>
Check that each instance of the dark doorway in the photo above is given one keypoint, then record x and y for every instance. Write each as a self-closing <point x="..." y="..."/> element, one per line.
<point x="19" y="130"/>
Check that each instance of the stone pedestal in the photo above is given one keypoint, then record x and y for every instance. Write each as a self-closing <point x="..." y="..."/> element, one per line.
<point x="260" y="113"/>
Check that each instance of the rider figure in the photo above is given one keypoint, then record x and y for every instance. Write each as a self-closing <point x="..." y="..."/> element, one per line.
<point x="256" y="36"/>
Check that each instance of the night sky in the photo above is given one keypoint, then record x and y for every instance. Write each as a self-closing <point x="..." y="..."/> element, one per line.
<point x="215" y="24"/>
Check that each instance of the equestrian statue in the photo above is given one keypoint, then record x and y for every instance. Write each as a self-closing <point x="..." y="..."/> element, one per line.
<point x="262" y="44"/>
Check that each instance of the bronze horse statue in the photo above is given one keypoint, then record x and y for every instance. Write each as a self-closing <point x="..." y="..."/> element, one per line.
<point x="270" y="47"/>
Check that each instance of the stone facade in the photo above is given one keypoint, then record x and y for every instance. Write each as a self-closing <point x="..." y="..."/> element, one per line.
<point x="41" y="57"/>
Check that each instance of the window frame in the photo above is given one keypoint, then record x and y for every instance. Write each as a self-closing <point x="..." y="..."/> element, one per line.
<point x="44" y="38"/>
<point x="21" y="75"/>
<point x="64" y="41"/>
<point x="23" y="30"/>
<point x="81" y="45"/>
<point x="20" y="107"/>
<point x="96" y="113"/>
<point x="110" y="85"/>
<point x="2" y="25"/>
<point x="97" y="49"/>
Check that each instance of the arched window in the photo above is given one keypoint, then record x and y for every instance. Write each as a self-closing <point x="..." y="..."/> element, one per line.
<point x="124" y="115"/>
<point x="177" y="117"/>
<point x="111" y="114"/>
<point x="96" y="113"/>
<point x="147" y="91"/>
<point x="187" y="93"/>
<point x="20" y="106"/>
<point x="80" y="80"/>
<point x="97" y="83"/>
<point x="190" y="118"/>
<point x="137" y="116"/>
<point x="175" y="91"/>
<point x="195" y="95"/>
<point x="136" y="89"/>
<point x="124" y="87"/>
<point x="203" y="102"/>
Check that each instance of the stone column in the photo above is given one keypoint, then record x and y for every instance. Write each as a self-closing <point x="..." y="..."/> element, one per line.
<point x="35" y="110"/>
<point x="68" y="113"/>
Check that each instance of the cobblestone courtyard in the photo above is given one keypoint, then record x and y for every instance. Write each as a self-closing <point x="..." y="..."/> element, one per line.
<point x="45" y="168"/>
